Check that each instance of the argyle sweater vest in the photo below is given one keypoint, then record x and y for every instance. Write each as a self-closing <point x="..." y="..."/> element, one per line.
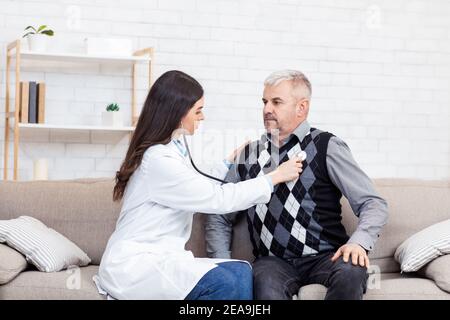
<point x="303" y="217"/>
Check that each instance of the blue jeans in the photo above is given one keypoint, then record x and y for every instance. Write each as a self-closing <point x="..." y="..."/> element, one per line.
<point x="231" y="280"/>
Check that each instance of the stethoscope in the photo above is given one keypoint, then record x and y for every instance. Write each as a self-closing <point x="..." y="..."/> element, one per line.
<point x="301" y="155"/>
<point x="195" y="167"/>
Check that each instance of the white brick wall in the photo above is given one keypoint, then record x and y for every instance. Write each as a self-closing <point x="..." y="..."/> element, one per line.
<point x="380" y="72"/>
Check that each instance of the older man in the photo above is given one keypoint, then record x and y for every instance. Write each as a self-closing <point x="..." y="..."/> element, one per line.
<point x="298" y="238"/>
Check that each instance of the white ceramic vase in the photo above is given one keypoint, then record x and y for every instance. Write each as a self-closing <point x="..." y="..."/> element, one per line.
<point x="37" y="42"/>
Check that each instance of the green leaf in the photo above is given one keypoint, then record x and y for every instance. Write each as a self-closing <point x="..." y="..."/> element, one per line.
<point x="29" y="27"/>
<point x="48" y="32"/>
<point x="32" y="32"/>
<point x="42" y="28"/>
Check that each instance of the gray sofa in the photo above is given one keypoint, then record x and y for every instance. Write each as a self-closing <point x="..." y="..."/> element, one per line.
<point x="84" y="212"/>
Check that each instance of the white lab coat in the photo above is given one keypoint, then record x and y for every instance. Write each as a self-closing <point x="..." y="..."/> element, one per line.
<point x="145" y="257"/>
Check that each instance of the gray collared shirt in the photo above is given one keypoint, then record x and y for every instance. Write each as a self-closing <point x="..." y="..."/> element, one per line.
<point x="344" y="173"/>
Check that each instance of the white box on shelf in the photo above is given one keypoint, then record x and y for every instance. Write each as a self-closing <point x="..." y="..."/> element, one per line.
<point x="108" y="46"/>
<point x="112" y="119"/>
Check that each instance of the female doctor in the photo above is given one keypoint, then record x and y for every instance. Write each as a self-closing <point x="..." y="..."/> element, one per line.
<point x="145" y="257"/>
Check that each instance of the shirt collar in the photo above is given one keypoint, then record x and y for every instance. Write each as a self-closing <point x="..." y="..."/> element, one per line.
<point x="300" y="132"/>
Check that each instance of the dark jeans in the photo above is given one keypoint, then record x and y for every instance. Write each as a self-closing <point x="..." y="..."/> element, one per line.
<point x="278" y="279"/>
<point x="231" y="280"/>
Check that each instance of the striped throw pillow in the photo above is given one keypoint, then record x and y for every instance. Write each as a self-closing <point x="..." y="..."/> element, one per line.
<point x="44" y="247"/>
<point x="424" y="246"/>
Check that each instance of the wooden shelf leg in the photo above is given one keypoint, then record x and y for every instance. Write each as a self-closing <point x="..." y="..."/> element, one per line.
<point x="6" y="153"/>
<point x="16" y="113"/>
<point x="133" y="94"/>
<point x="150" y="67"/>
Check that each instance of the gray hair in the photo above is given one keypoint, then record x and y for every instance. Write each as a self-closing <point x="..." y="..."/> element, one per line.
<point x="298" y="79"/>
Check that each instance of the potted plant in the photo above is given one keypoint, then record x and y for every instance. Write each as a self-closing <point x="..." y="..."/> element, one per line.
<point x="112" y="117"/>
<point x="37" y="38"/>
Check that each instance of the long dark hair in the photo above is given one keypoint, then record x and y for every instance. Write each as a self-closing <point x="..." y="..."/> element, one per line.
<point x="168" y="101"/>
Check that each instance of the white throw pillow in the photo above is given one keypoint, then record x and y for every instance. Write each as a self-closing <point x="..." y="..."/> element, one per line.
<point x="424" y="246"/>
<point x="47" y="249"/>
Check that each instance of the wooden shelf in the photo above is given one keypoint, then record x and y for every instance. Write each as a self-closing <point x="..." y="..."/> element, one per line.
<point x="12" y="105"/>
<point x="73" y="127"/>
<point x="54" y="56"/>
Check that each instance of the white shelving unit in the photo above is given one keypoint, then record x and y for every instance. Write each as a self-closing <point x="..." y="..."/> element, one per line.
<point x="34" y="126"/>
<point x="12" y="116"/>
<point x="55" y="56"/>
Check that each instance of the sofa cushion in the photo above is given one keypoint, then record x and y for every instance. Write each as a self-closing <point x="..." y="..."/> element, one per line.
<point x="387" y="265"/>
<point x="12" y="263"/>
<point x="424" y="246"/>
<point x="439" y="271"/>
<point x="391" y="286"/>
<point x="71" y="284"/>
<point x="82" y="210"/>
<point x="44" y="247"/>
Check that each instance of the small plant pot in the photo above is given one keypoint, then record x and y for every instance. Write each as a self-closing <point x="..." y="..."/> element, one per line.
<point x="112" y="119"/>
<point x="37" y="42"/>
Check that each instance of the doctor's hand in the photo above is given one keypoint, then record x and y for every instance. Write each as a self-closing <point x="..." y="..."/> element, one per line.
<point x="287" y="171"/>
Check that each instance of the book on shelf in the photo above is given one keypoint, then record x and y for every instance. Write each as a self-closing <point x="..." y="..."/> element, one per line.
<point x="24" y="89"/>
<point x="41" y="102"/>
<point x="32" y="102"/>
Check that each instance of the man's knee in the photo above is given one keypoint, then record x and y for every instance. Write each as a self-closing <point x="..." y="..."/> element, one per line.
<point x="351" y="274"/>
<point x="347" y="282"/>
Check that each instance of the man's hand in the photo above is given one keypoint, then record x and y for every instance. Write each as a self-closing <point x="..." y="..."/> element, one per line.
<point x="235" y="153"/>
<point x="355" y="251"/>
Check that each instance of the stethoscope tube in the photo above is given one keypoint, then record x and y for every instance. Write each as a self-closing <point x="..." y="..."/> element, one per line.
<point x="195" y="167"/>
<point x="301" y="154"/>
